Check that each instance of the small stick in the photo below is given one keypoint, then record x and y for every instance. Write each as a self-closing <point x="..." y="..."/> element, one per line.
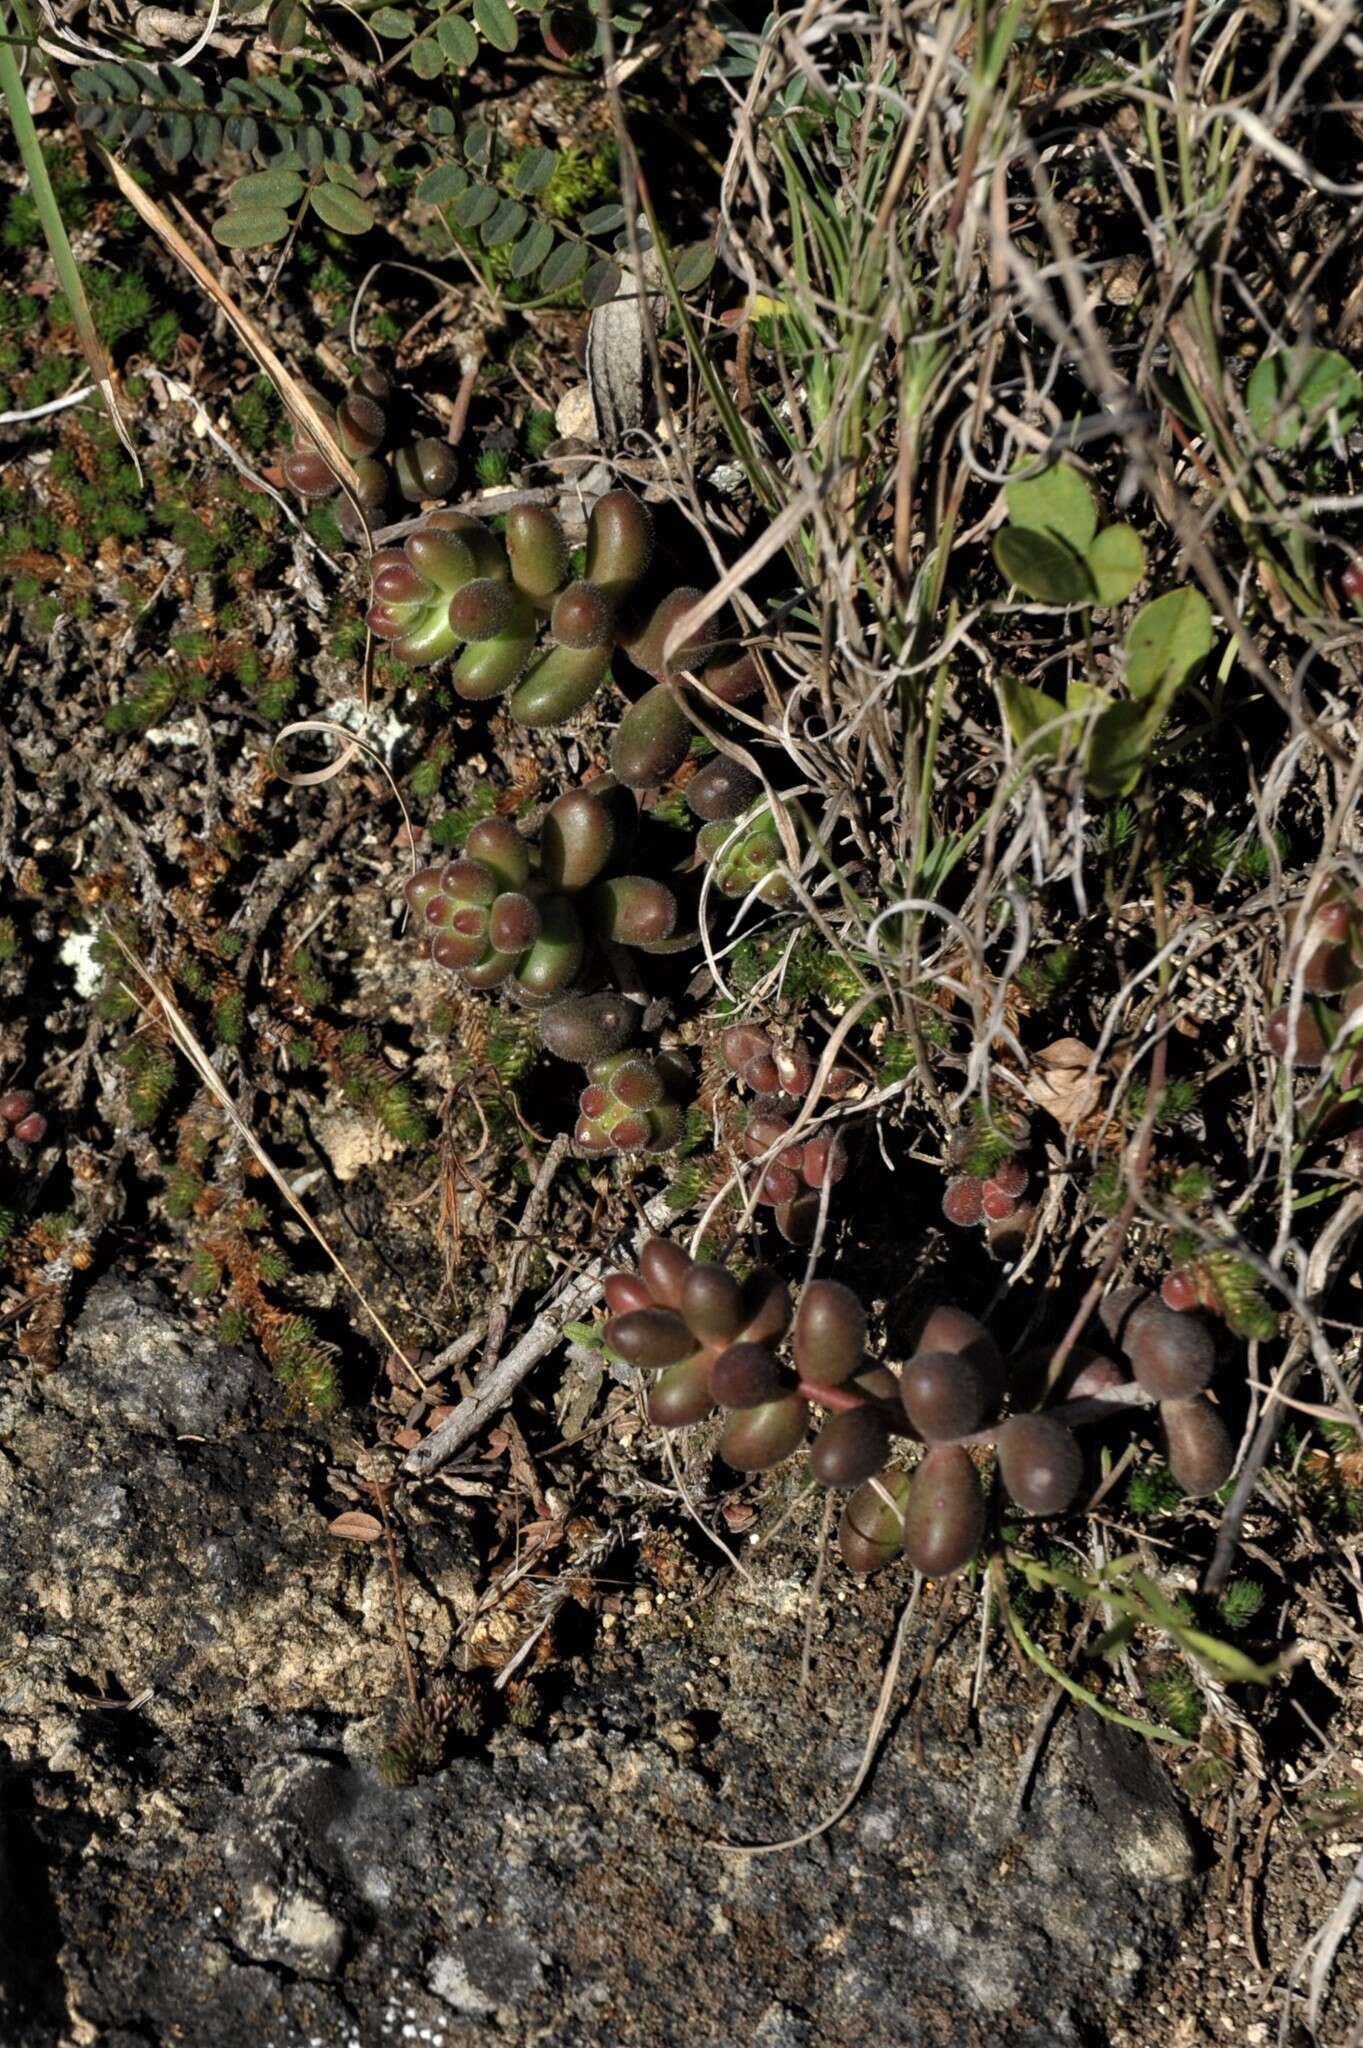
<point x="530" y="1217"/>
<point x="496" y="1387"/>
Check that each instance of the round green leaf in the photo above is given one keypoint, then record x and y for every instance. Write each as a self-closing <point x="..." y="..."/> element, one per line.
<point x="566" y="264"/>
<point x="266" y="188"/>
<point x="251" y="227"/>
<point x="441" y="121"/>
<point x="1042" y="567"/>
<point x="343" y="210"/>
<point x="497" y="23"/>
<point x="394" y="24"/>
<point x="1119" y="748"/>
<point x="1293" y="393"/>
<point x="1058" y="502"/>
<point x="528" y="254"/>
<point x="427" y="58"/>
<point x="443" y="185"/>
<point x="457" y="40"/>
<point x="1116" y="562"/>
<point x="1169" y="639"/>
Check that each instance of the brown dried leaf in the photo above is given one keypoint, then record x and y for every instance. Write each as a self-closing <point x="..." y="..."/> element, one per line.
<point x="356" y="1527"/>
<point x="1064" y="1083"/>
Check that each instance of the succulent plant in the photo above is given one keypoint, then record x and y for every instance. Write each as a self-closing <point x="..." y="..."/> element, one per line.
<point x="1172" y="1353"/>
<point x="747" y="860"/>
<point x="21" y="1118"/>
<point x="629" y="1103"/>
<point x="524" y="627"/>
<point x="512" y="911"/>
<point x="750" y="1052"/>
<point x="420" y="470"/>
<point x="791" y="1180"/>
<point x="993" y="1179"/>
<point x="710" y="1341"/>
<point x="1328" y="949"/>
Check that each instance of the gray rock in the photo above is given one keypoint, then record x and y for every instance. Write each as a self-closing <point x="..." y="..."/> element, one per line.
<point x="220" y="1862"/>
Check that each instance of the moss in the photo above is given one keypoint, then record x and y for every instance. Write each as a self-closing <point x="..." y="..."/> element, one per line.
<point x="258" y="416"/>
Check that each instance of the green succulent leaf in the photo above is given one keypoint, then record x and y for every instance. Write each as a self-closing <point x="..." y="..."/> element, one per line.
<point x="1043" y="567"/>
<point x="1169" y="640"/>
<point x="1058" y="503"/>
<point x="1116" y="562"/>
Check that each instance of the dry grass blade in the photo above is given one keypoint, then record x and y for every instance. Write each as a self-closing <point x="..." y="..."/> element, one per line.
<point x="305" y="413"/>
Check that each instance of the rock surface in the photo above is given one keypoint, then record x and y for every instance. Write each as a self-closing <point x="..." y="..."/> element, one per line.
<point x="196" y="1846"/>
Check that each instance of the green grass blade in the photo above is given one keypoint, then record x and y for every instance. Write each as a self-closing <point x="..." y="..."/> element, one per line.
<point x="54" y="229"/>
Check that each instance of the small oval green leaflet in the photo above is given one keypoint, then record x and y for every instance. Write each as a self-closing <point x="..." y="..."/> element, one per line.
<point x="693" y="267"/>
<point x="457" y="40"/>
<point x="443" y="185"/>
<point x="528" y="254"/>
<point x="1058" y="502"/>
<point x="478" y="204"/>
<point x="601" y="283"/>
<point x="394" y="24"/>
<point x="282" y="188"/>
<point x="497" y="23"/>
<point x="1042" y="567"/>
<point x="342" y="209"/>
<point x="178" y="139"/>
<point x="504" y="224"/>
<point x="1116" y="562"/>
<point x="602" y="220"/>
<point x="251" y="227"/>
<point x="566" y="264"/>
<point x="427" y="58"/>
<point x="287" y="24"/>
<point x="535" y="170"/>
